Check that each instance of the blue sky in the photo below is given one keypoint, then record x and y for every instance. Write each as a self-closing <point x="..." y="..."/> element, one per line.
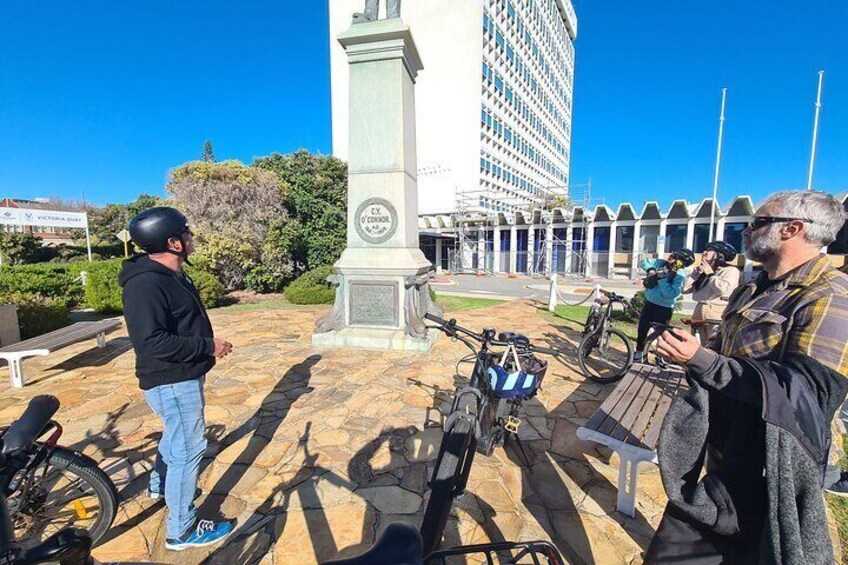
<point x="106" y="97"/>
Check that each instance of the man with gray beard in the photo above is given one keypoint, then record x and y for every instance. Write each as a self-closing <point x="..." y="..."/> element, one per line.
<point x="796" y="308"/>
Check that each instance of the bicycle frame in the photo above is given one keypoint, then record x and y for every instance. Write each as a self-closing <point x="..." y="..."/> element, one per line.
<point x="481" y="412"/>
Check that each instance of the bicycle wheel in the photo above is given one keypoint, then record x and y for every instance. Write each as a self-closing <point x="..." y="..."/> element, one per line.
<point x="66" y="489"/>
<point x="454" y="450"/>
<point x="605" y="356"/>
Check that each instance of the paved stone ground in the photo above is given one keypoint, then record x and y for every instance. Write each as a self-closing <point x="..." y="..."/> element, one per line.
<point x="314" y="452"/>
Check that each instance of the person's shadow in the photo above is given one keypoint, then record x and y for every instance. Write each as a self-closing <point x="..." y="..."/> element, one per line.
<point x="552" y="468"/>
<point x="254" y="539"/>
<point x="261" y="428"/>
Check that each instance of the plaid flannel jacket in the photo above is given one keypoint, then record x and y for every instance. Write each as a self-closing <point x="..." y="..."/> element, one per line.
<point x="806" y="312"/>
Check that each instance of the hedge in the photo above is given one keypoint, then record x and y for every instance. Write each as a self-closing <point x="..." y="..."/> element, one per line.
<point x="312" y="288"/>
<point x="210" y="288"/>
<point x="102" y="291"/>
<point x="104" y="294"/>
<point x="60" y="282"/>
<point x="37" y="314"/>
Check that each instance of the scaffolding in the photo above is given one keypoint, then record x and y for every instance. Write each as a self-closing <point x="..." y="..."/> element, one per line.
<point x="567" y="256"/>
<point x="480" y="211"/>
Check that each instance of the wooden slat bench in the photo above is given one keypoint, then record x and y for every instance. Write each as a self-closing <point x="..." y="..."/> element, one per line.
<point x="52" y="341"/>
<point x="629" y="422"/>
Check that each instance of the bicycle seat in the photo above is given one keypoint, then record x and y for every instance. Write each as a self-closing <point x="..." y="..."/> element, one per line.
<point x="518" y="339"/>
<point x="400" y="544"/>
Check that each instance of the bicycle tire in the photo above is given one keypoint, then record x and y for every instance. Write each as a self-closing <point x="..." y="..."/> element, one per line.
<point x="585" y="350"/>
<point x="449" y="464"/>
<point x="592" y="320"/>
<point x="76" y="469"/>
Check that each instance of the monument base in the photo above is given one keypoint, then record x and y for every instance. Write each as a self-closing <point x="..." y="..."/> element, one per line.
<point x="368" y="338"/>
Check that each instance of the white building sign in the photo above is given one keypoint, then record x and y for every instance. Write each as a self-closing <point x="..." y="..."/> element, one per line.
<point x="46" y="218"/>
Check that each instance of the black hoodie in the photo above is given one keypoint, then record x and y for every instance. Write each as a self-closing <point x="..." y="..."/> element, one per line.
<point x="168" y="326"/>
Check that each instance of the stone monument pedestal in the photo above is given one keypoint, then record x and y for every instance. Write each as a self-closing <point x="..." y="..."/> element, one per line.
<point x="382" y="293"/>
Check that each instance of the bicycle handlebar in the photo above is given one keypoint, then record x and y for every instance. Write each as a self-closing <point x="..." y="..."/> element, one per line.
<point x="451" y="328"/>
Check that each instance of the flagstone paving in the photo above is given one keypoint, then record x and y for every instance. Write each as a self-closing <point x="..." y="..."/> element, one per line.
<point x="314" y="452"/>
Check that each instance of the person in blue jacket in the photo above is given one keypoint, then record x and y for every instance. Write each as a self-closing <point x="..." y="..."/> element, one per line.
<point x="664" y="287"/>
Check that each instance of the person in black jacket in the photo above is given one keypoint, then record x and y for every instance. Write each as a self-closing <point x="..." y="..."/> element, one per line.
<point x="175" y="347"/>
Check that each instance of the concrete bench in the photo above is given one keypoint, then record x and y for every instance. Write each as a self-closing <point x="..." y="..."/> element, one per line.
<point x="53" y="341"/>
<point x="629" y="422"/>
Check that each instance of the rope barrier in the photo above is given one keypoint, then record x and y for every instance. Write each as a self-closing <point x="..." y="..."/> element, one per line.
<point x="556" y="297"/>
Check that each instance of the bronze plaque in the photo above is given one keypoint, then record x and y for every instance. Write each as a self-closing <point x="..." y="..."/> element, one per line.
<point x="374" y="303"/>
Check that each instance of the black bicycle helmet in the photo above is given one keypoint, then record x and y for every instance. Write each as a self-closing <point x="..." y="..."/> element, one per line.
<point x="724" y="249"/>
<point x="152" y="228"/>
<point x="685" y="256"/>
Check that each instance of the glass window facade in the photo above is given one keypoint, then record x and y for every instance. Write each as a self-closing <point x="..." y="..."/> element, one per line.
<point x="624" y="239"/>
<point x="701" y="237"/>
<point x="675" y="237"/>
<point x="733" y="235"/>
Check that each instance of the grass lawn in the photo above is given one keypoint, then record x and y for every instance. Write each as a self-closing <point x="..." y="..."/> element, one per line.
<point x="449" y="303"/>
<point x="267" y="305"/>
<point x="839" y="507"/>
<point x="460" y="303"/>
<point x="575" y="317"/>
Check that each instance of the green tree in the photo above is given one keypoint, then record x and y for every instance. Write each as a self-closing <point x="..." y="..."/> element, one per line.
<point x="106" y="221"/>
<point x="207" y="156"/>
<point x="143" y="202"/>
<point x="19" y="248"/>
<point x="232" y="207"/>
<point x="314" y="188"/>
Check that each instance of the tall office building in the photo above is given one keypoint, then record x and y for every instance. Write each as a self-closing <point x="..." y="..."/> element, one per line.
<point x="493" y="103"/>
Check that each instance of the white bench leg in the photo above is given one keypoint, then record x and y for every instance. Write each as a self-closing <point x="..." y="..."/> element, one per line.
<point x="16" y="373"/>
<point x="16" y="369"/>
<point x="628" y="476"/>
<point x="101" y="340"/>
<point x="628" y="472"/>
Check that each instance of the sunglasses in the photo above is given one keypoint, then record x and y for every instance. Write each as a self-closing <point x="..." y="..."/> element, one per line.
<point x="760" y="221"/>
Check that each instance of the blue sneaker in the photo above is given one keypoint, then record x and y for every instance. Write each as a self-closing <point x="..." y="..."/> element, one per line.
<point x="207" y="532"/>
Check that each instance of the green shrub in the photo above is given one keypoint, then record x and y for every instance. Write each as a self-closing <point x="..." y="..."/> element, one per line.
<point x="46" y="279"/>
<point x="102" y="291"/>
<point x="312" y="288"/>
<point x="20" y="248"/>
<point x="210" y="288"/>
<point x="104" y="294"/>
<point x="432" y="293"/>
<point x="37" y="314"/>
<point x="263" y="279"/>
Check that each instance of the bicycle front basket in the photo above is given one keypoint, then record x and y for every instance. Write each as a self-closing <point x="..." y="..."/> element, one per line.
<point x="522" y="382"/>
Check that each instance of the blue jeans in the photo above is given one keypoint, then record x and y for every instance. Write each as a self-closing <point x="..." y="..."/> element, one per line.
<point x="180" y="407"/>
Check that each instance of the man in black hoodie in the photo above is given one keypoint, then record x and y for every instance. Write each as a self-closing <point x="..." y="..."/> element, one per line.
<point x="175" y="348"/>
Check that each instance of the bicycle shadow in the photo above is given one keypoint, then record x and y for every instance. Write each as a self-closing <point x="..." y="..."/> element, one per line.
<point x="254" y="539"/>
<point x="123" y="465"/>
<point x="562" y="464"/>
<point x="559" y="486"/>
<point x="263" y="424"/>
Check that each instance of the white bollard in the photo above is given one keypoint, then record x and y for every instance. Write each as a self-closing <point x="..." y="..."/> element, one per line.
<point x="552" y="295"/>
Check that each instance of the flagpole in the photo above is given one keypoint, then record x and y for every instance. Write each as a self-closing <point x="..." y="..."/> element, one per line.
<point x="718" y="162"/>
<point x="815" y="134"/>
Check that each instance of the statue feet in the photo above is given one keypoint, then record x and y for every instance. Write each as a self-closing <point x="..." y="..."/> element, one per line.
<point x="362" y="17"/>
